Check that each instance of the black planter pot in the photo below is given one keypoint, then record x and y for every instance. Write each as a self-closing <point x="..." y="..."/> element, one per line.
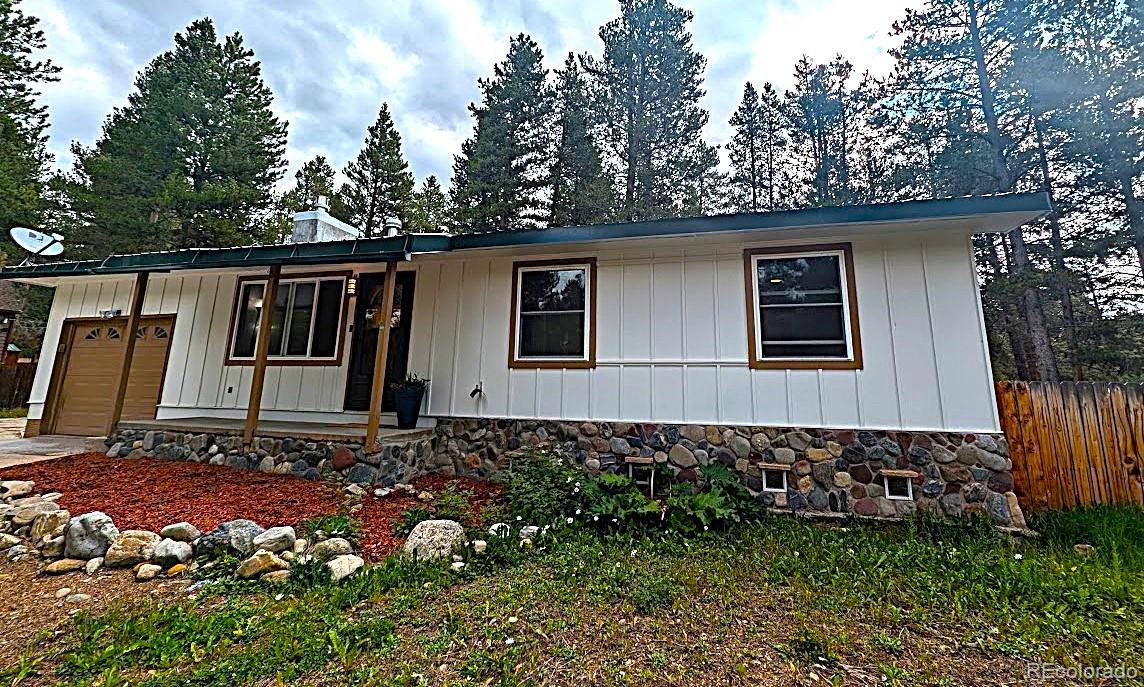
<point x="407" y="404"/>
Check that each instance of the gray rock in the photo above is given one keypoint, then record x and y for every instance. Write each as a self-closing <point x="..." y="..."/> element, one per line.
<point x="432" y="539"/>
<point x="344" y="566"/>
<point x="798" y="440"/>
<point x="818" y="499"/>
<point x="130" y="548"/>
<point x="998" y="508"/>
<point x="276" y="540"/>
<point x="259" y="564"/>
<point x="89" y="536"/>
<point x="169" y="552"/>
<point x="681" y="457"/>
<point x="993" y="461"/>
<point x="180" y="531"/>
<point x="740" y="445"/>
<point x="242" y="534"/>
<point x="529" y="532"/>
<point x="7" y="541"/>
<point x="93" y="565"/>
<point x="619" y="446"/>
<point x="331" y="548"/>
<point x="786" y="456"/>
<point x="967" y="454"/>
<point x="52" y="547"/>
<point x="113" y="452"/>
<point x="362" y="473"/>
<point x="943" y="455"/>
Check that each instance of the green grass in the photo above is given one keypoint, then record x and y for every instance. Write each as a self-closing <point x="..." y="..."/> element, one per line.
<point x="919" y="603"/>
<point x="13" y="412"/>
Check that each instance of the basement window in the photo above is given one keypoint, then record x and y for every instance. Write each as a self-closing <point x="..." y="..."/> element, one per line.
<point x="899" y="487"/>
<point x="305" y="325"/>
<point x="775" y="480"/>
<point x="553" y="314"/>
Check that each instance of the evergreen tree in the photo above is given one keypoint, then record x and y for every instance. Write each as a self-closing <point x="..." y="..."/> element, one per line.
<point x="758" y="151"/>
<point x="191" y="160"/>
<point x="500" y="179"/>
<point x="379" y="185"/>
<point x="23" y="158"/>
<point x="647" y="90"/>
<point x="581" y="194"/>
<point x="432" y="211"/>
<point x="314" y="178"/>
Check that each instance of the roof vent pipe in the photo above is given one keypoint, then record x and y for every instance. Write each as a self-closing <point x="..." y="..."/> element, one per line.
<point x="392" y="226"/>
<point x="322" y="203"/>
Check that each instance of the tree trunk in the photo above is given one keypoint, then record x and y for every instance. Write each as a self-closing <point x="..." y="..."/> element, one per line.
<point x="1010" y="324"/>
<point x="1060" y="270"/>
<point x="1030" y="300"/>
<point x="1135" y="209"/>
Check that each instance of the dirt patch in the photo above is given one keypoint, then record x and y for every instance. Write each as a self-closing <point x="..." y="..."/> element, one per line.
<point x="148" y="494"/>
<point x="379" y="515"/>
<point x="31" y="614"/>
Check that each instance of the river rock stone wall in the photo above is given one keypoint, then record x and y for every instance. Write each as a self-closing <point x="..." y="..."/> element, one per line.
<point x="827" y="471"/>
<point x="389" y="465"/>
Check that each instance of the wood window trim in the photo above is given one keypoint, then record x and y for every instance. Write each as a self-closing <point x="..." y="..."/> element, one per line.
<point x="551" y="364"/>
<point x="336" y="361"/>
<point x="756" y="361"/>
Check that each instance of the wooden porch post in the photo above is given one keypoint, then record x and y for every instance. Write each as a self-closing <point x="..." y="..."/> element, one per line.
<point x="133" y="316"/>
<point x="269" y="295"/>
<point x="381" y="355"/>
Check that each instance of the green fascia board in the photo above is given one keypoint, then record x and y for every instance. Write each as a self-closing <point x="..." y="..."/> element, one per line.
<point x="384" y="249"/>
<point x="903" y="211"/>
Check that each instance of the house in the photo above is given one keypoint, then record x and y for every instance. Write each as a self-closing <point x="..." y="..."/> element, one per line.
<point x="835" y="357"/>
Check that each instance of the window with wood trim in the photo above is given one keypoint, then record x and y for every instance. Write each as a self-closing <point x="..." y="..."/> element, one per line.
<point x="802" y="309"/>
<point x="553" y="314"/>
<point x="305" y="326"/>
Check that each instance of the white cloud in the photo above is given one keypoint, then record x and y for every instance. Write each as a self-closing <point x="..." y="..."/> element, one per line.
<point x="331" y="64"/>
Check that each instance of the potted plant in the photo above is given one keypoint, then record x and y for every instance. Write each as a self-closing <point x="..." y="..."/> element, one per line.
<point x="407" y="395"/>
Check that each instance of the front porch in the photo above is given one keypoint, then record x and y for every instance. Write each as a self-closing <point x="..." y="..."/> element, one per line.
<point x="354" y="433"/>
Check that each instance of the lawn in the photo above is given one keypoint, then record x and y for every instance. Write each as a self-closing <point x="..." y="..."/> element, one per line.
<point x="775" y="602"/>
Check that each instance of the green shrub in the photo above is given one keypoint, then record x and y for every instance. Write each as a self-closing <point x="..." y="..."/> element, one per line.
<point x="451" y="504"/>
<point x="345" y="526"/>
<point x="652" y="592"/>
<point x="543" y="488"/>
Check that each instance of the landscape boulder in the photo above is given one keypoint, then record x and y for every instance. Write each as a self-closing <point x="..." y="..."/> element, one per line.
<point x="132" y="547"/>
<point x="89" y="536"/>
<point x="14" y="488"/>
<point x="169" y="552"/>
<point x="275" y="540"/>
<point x="259" y="564"/>
<point x="64" y="565"/>
<point x="331" y="548"/>
<point x="25" y="514"/>
<point x="233" y="535"/>
<point x="181" y="531"/>
<point x="433" y="539"/>
<point x="47" y="523"/>
<point x="342" y="567"/>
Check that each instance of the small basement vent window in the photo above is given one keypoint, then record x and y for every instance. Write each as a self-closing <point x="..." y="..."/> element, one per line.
<point x="899" y="487"/>
<point x="775" y="480"/>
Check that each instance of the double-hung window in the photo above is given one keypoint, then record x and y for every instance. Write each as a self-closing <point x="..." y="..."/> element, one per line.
<point x="552" y="314"/>
<point x="305" y="323"/>
<point x="802" y="308"/>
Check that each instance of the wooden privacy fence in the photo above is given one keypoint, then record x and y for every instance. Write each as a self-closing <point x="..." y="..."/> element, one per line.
<point x="16" y="384"/>
<point x="1074" y="444"/>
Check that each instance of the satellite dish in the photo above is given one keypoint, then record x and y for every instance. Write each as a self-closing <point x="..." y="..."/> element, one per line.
<point x="37" y="242"/>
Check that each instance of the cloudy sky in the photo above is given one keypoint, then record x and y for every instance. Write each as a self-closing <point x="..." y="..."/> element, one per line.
<point x="331" y="64"/>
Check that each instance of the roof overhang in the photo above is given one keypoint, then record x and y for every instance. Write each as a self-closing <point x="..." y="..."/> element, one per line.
<point x="976" y="214"/>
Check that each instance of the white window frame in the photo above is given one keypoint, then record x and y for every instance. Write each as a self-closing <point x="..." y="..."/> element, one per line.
<point x="909" y="488"/>
<point x="519" y="313"/>
<point x="316" y="280"/>
<point x="772" y="490"/>
<point x="844" y="294"/>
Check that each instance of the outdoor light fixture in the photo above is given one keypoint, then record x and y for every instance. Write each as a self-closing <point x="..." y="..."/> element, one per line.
<point x="351" y="286"/>
<point x="776" y="280"/>
<point x="109" y="314"/>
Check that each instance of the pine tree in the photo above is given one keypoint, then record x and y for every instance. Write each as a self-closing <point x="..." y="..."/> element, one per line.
<point x="314" y="178"/>
<point x="379" y="185"/>
<point x="432" y="211"/>
<point x="647" y="90"/>
<point x="758" y="151"/>
<point x="500" y="179"/>
<point x="191" y="160"/>
<point x="581" y="194"/>
<point x="23" y="158"/>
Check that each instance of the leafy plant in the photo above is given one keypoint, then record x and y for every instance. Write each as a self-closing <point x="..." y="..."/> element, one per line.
<point x="412" y="382"/>
<point x="410" y="518"/>
<point x="543" y="488"/>
<point x="345" y="526"/>
<point x="451" y="504"/>
<point x="652" y="592"/>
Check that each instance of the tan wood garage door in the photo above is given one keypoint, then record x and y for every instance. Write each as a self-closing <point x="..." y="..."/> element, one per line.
<point x="86" y="388"/>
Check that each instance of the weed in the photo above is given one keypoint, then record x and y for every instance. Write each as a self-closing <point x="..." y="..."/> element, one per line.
<point x="344" y="526"/>
<point x="651" y="593"/>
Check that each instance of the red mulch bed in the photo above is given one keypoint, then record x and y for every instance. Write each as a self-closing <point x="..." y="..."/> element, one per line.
<point x="148" y="494"/>
<point x="379" y="515"/>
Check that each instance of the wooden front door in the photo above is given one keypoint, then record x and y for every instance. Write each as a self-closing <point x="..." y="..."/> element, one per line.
<point x="91" y="356"/>
<point x="367" y="324"/>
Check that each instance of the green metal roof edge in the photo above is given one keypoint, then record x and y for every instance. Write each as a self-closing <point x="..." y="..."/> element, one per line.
<point x="401" y="247"/>
<point x="900" y="211"/>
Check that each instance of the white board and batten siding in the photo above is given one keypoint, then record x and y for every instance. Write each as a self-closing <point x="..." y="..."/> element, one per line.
<point x="671" y="344"/>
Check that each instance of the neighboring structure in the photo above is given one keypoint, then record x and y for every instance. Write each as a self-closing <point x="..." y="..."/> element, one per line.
<point x="11" y="305"/>
<point x="836" y="357"/>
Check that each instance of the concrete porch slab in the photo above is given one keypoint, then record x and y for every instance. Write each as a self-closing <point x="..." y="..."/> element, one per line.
<point x="21" y="451"/>
<point x="349" y="433"/>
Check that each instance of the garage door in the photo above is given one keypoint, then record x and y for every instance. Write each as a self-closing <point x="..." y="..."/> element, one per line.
<point x="91" y="367"/>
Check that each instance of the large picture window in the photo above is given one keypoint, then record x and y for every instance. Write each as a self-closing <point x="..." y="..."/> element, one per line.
<point x="305" y="325"/>
<point x="553" y="306"/>
<point x="802" y="308"/>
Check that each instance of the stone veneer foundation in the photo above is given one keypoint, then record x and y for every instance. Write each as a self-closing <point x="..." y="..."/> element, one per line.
<point x="827" y="470"/>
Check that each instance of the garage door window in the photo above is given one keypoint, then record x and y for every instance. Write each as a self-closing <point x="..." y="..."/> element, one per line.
<point x="305" y="324"/>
